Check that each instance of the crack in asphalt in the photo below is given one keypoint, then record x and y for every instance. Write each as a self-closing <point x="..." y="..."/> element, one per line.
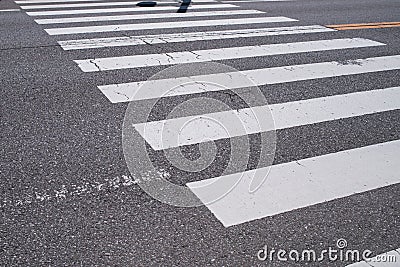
<point x="298" y="163"/>
<point x="169" y="57"/>
<point x="119" y="93"/>
<point x="197" y="55"/>
<point x="94" y="63"/>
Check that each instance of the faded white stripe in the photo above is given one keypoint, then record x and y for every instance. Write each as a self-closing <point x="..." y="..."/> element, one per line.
<point x="127" y="91"/>
<point x="165" y="25"/>
<point x="251" y="1"/>
<point x="301" y="183"/>
<point x="191" y="130"/>
<point x="148" y="16"/>
<point x="137" y="61"/>
<point x="188" y="37"/>
<point x="9" y="10"/>
<point x="54" y="6"/>
<point x="123" y="9"/>
<point x="52" y="1"/>
<point x="68" y="1"/>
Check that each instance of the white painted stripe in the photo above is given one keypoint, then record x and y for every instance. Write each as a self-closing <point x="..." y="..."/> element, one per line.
<point x="188" y="37"/>
<point x="165" y="25"/>
<point x="52" y="1"/>
<point x="123" y="9"/>
<point x="387" y="259"/>
<point x="301" y="183"/>
<point x="137" y="61"/>
<point x="9" y="10"/>
<point x="117" y="92"/>
<point x="191" y="130"/>
<point x="251" y="1"/>
<point x="54" y="6"/>
<point x="148" y="16"/>
<point x="68" y="1"/>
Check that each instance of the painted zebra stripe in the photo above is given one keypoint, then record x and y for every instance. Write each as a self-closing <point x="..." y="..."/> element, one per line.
<point x="127" y="91"/>
<point x="165" y="25"/>
<point x="123" y="9"/>
<point x="253" y="1"/>
<point x="188" y="37"/>
<point x="301" y="183"/>
<point x="56" y="6"/>
<point x="148" y="16"/>
<point x="69" y="1"/>
<point x="51" y="1"/>
<point x="191" y="130"/>
<point x="10" y="10"/>
<point x="249" y="1"/>
<point x="138" y="61"/>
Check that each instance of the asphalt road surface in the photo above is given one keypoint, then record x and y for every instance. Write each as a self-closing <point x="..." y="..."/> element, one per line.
<point x="277" y="123"/>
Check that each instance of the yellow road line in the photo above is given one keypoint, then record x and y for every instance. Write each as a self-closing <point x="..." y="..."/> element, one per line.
<point x="375" y="25"/>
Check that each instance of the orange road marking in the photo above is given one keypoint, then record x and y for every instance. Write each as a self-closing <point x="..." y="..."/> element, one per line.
<point x="375" y="25"/>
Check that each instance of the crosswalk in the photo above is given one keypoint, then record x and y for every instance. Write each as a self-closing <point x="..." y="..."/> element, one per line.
<point x="322" y="178"/>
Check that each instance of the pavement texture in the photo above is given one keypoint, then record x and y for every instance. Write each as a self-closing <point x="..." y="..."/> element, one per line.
<point x="66" y="195"/>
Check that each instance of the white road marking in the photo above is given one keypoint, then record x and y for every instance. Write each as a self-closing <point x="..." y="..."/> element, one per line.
<point x="52" y="1"/>
<point x="148" y="16"/>
<point x="128" y="91"/>
<point x="249" y="1"/>
<point x="137" y="61"/>
<point x="68" y="1"/>
<point x="188" y="37"/>
<point x="387" y="259"/>
<point x="302" y="183"/>
<point x="165" y="25"/>
<point x="9" y="10"/>
<point x="70" y="190"/>
<point x="54" y="6"/>
<point x="123" y="9"/>
<point x="191" y="130"/>
<point x="252" y="1"/>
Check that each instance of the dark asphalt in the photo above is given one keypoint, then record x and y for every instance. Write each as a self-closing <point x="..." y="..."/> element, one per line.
<point x="65" y="196"/>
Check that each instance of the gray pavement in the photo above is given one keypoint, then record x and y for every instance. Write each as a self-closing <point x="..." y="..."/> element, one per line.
<point x="68" y="198"/>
